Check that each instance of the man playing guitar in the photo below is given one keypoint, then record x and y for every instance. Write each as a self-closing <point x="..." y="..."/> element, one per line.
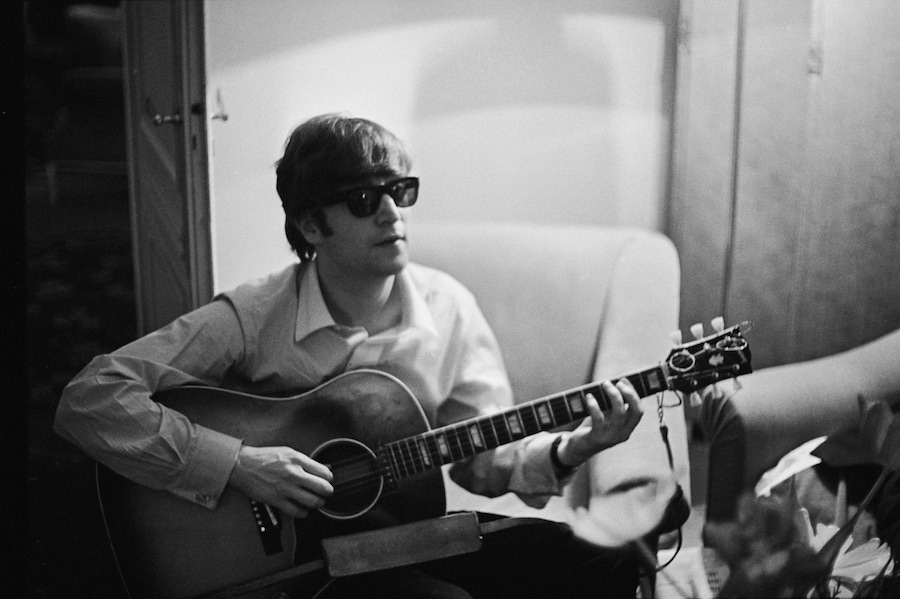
<point x="353" y="301"/>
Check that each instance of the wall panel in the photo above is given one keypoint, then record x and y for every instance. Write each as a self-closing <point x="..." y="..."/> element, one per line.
<point x="699" y="207"/>
<point x="771" y="216"/>
<point x="817" y="223"/>
<point x="550" y="111"/>
<point x="853" y="278"/>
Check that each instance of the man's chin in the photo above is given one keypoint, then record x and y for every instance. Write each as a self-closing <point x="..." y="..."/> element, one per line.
<point x="393" y="267"/>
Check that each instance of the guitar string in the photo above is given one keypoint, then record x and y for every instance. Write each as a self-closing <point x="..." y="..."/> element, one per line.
<point x="354" y="483"/>
<point x="412" y="465"/>
<point x="416" y="464"/>
<point x="409" y="464"/>
<point x="417" y="459"/>
<point x="489" y="436"/>
<point x="413" y="446"/>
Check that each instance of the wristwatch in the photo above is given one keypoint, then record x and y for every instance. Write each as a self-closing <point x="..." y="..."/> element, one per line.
<point x="560" y="469"/>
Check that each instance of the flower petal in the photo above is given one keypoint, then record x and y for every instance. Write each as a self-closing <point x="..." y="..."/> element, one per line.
<point x="866" y="560"/>
<point x="793" y="462"/>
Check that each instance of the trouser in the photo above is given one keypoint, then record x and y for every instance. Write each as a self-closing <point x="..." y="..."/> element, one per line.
<point x="725" y="431"/>
<point x="538" y="559"/>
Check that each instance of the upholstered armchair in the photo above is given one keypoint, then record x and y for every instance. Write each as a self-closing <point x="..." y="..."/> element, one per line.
<point x="572" y="305"/>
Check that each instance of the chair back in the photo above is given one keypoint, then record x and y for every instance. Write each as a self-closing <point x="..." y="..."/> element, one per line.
<point x="569" y="305"/>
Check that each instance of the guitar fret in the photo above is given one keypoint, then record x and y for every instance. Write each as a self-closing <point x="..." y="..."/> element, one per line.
<point x="418" y="458"/>
<point x="565" y="402"/>
<point x="493" y="435"/>
<point x="465" y="441"/>
<point x="576" y="403"/>
<point x="514" y="425"/>
<point x="456" y="451"/>
<point x="405" y="462"/>
<point x="529" y="419"/>
<point x="637" y="381"/>
<point x="559" y="410"/>
<point x="443" y="446"/>
<point x="476" y="435"/>
<point x="422" y="444"/>
<point x="433" y="450"/>
<point x="655" y="380"/>
<point x="501" y="427"/>
<point x="488" y="433"/>
<point x="408" y="455"/>
<point x="399" y="462"/>
<point x="545" y="415"/>
<point x="601" y="398"/>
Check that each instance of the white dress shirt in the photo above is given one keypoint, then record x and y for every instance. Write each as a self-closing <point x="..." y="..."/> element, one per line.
<point x="275" y="336"/>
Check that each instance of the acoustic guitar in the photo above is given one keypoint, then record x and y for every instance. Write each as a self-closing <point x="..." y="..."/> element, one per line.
<point x="370" y="430"/>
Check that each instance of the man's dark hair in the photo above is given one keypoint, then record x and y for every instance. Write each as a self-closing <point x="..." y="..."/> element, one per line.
<point x="323" y="154"/>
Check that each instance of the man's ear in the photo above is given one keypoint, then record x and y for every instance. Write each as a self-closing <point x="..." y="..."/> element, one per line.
<point x="309" y="229"/>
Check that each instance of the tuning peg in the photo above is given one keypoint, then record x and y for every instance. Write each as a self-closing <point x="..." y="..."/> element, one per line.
<point x="718" y="324"/>
<point x="675" y="336"/>
<point x="697" y="330"/>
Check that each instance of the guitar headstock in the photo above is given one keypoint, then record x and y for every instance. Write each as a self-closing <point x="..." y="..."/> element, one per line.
<point x="723" y="355"/>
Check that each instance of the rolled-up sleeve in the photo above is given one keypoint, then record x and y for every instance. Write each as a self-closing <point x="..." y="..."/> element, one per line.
<point x="108" y="410"/>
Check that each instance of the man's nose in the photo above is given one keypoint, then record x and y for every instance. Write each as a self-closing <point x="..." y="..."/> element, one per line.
<point x="388" y="208"/>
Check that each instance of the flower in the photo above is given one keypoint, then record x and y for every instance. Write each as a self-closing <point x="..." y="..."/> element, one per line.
<point x="852" y="567"/>
<point x="766" y="550"/>
<point x="773" y="549"/>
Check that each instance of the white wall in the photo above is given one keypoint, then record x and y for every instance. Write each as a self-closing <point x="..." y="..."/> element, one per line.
<point x="545" y="111"/>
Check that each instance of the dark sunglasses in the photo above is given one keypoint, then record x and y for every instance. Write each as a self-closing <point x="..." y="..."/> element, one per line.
<point x="365" y="201"/>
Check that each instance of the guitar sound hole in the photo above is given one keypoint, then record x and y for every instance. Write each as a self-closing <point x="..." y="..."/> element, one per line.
<point x="357" y="478"/>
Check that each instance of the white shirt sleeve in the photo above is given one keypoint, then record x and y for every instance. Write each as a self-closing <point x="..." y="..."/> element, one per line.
<point x="108" y="411"/>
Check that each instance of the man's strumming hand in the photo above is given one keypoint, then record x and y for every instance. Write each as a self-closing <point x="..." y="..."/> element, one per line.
<point x="282" y="478"/>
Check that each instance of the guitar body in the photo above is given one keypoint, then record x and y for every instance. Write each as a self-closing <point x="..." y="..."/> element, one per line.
<point x="166" y="546"/>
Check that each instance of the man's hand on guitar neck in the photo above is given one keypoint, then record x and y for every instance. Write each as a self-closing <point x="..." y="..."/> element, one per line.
<point x="283" y="478"/>
<point x="603" y="429"/>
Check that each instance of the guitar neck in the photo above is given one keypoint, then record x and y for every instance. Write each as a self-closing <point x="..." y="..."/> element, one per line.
<point x="414" y="455"/>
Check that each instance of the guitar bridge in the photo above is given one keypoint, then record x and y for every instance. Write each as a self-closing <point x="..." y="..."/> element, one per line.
<point x="268" y="525"/>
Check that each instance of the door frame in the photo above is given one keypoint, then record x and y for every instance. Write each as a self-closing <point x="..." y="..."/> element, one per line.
<point x="194" y="189"/>
<point x="197" y="181"/>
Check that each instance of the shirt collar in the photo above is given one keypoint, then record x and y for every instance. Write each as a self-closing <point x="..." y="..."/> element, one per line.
<point x="415" y="311"/>
<point x="313" y="314"/>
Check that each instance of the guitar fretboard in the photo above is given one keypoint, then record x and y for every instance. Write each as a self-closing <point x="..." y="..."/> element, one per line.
<point x="452" y="443"/>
